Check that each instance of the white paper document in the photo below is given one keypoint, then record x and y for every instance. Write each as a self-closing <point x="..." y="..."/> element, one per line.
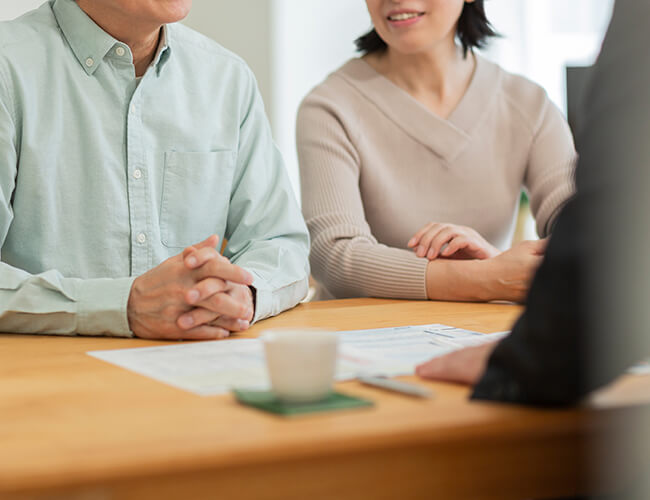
<point x="216" y="367"/>
<point x="397" y="351"/>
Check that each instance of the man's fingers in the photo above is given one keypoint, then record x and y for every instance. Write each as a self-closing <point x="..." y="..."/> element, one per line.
<point x="224" y="305"/>
<point x="208" y="263"/>
<point x="196" y="317"/>
<point x="200" y="256"/>
<point x="188" y="251"/>
<point x="222" y="269"/>
<point x="210" y="242"/>
<point x="231" y="324"/>
<point x="205" y="332"/>
<point x="205" y="289"/>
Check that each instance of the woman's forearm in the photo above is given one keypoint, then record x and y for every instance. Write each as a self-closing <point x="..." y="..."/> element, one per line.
<point x="505" y="277"/>
<point x="461" y="280"/>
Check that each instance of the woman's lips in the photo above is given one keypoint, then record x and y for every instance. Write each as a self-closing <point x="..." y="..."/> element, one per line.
<point x="404" y="18"/>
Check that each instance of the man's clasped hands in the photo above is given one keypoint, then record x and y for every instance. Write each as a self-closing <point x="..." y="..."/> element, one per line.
<point x="195" y="295"/>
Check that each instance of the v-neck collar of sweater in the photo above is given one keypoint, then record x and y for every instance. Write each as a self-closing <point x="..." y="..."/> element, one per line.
<point x="446" y="138"/>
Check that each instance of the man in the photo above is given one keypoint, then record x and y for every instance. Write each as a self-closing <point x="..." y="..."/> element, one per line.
<point x="129" y="147"/>
<point x="587" y="314"/>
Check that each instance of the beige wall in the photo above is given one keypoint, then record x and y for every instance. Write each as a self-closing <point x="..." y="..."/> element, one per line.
<point x="244" y="27"/>
<point x="9" y="9"/>
<point x="290" y="45"/>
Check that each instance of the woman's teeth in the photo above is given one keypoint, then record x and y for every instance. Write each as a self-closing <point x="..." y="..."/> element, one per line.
<point x="404" y="16"/>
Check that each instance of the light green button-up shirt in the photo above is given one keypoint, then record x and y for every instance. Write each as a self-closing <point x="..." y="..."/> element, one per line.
<point x="102" y="179"/>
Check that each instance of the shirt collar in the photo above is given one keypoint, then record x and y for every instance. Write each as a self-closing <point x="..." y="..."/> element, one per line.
<point x="163" y="52"/>
<point x="90" y="43"/>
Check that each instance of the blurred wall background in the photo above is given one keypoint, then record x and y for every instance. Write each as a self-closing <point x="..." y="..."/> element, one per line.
<point x="10" y="9"/>
<point x="291" y="45"/>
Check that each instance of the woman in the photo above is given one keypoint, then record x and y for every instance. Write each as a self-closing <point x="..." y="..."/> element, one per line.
<point x="414" y="156"/>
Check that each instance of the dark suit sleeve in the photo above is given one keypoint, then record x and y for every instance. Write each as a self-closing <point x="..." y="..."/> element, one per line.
<point x="586" y="312"/>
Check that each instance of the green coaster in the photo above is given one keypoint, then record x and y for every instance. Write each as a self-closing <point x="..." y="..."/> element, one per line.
<point x="267" y="401"/>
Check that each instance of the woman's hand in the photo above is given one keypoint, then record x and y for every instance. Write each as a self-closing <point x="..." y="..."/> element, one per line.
<point x="511" y="273"/>
<point x="505" y="277"/>
<point x="450" y="241"/>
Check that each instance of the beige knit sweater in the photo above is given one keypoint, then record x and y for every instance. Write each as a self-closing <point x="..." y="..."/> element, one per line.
<point x="376" y="166"/>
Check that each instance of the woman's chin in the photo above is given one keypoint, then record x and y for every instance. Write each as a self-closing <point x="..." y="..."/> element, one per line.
<point x="410" y="47"/>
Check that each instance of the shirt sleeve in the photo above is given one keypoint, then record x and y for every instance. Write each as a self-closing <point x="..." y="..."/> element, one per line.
<point x="266" y="232"/>
<point x="48" y="302"/>
<point x="345" y="257"/>
<point x="549" y="176"/>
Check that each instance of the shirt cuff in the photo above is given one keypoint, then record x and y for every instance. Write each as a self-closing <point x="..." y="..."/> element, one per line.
<point x="271" y="302"/>
<point x="102" y="305"/>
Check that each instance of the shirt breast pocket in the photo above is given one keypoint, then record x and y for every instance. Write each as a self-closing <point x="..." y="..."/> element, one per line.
<point x="195" y="196"/>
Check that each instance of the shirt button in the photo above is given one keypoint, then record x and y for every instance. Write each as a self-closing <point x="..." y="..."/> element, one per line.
<point x="89" y="62"/>
<point x="132" y="108"/>
<point x="142" y="238"/>
<point x="137" y="173"/>
<point x="120" y="51"/>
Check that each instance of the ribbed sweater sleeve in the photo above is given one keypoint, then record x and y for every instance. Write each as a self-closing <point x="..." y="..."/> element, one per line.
<point x="549" y="176"/>
<point x="345" y="256"/>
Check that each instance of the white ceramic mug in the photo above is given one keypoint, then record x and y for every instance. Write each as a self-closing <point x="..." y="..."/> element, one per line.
<point x="301" y="363"/>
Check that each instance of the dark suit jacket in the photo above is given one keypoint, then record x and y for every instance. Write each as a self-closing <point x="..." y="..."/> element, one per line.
<point x="587" y="314"/>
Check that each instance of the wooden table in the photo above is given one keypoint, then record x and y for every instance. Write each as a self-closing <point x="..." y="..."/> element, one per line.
<point x="75" y="427"/>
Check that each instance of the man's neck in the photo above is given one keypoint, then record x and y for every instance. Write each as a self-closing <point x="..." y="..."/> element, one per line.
<point x="143" y="40"/>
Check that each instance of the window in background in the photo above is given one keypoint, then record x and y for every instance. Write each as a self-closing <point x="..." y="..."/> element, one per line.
<point x="541" y="38"/>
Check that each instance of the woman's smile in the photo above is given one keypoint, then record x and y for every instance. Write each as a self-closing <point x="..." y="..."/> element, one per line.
<point x="403" y="17"/>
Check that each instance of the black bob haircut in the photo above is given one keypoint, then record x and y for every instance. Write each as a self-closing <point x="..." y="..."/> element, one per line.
<point x="473" y="31"/>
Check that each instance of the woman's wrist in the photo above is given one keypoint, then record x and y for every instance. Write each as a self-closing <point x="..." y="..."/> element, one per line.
<point x="461" y="280"/>
<point x="494" y="251"/>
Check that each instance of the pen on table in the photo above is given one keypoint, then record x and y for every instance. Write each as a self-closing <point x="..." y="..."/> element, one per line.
<point x="397" y="386"/>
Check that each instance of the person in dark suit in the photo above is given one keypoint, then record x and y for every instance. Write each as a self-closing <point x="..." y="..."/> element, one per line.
<point x="587" y="314"/>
